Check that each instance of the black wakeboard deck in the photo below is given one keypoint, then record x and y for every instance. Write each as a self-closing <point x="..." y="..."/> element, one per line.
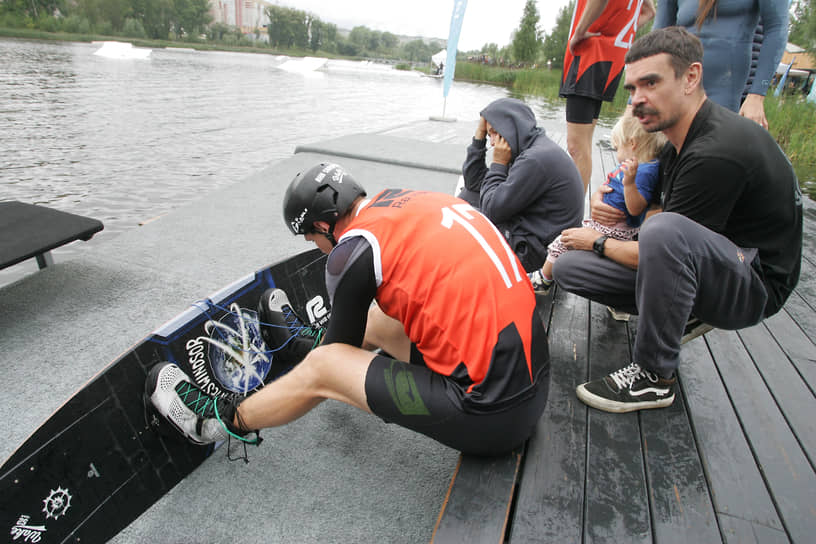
<point x="102" y="459"/>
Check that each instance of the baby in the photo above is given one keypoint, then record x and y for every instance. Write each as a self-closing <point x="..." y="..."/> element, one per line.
<point x="633" y="183"/>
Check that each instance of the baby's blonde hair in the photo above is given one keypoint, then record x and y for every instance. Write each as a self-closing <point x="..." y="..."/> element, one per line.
<point x="648" y="144"/>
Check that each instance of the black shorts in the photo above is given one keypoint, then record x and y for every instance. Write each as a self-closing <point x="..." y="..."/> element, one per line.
<point x="583" y="110"/>
<point x="415" y="397"/>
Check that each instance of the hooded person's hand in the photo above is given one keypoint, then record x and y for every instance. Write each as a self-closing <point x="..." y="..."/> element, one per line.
<point x="502" y="153"/>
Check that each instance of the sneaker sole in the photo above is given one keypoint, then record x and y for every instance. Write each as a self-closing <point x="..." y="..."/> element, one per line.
<point x="601" y="403"/>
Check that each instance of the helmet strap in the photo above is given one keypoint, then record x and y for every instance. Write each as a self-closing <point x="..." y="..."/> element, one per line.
<point x="330" y="236"/>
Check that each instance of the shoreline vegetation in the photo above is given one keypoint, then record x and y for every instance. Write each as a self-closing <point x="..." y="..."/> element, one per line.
<point x="791" y="119"/>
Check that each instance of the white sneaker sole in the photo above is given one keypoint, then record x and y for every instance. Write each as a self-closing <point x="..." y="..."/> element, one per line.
<point x="601" y="403"/>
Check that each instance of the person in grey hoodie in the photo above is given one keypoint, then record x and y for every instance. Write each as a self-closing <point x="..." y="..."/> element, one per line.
<point x="532" y="189"/>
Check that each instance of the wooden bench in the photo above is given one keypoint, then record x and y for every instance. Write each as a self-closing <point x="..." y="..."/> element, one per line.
<point x="28" y="230"/>
<point x="732" y="460"/>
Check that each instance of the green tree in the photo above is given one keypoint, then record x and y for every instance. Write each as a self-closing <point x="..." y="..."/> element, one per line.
<point x="288" y="27"/>
<point x="527" y="41"/>
<point x="374" y="41"/>
<point x="803" y="25"/>
<point x="416" y="51"/>
<point x="389" y="41"/>
<point x="190" y="17"/>
<point x="316" y="33"/>
<point x="555" y="43"/>
<point x="156" y="16"/>
<point x="360" y="36"/>
<point x="330" y="30"/>
<point x="33" y="8"/>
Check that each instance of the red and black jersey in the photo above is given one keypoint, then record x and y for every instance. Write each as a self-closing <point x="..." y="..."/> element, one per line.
<point x="446" y="273"/>
<point x="596" y="68"/>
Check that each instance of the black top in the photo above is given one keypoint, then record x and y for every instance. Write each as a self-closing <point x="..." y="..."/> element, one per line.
<point x="732" y="177"/>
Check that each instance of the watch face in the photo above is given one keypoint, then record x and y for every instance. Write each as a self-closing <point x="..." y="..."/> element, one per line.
<point x="598" y="245"/>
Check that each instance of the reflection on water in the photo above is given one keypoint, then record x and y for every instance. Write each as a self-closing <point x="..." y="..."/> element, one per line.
<point x="126" y="140"/>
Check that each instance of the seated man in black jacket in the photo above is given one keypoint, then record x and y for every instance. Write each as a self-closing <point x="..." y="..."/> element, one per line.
<point x="727" y="248"/>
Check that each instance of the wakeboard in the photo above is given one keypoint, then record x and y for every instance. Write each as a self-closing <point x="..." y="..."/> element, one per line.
<point x="103" y="458"/>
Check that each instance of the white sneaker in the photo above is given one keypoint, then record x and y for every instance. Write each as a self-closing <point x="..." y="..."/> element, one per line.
<point x="541" y="285"/>
<point x="184" y="405"/>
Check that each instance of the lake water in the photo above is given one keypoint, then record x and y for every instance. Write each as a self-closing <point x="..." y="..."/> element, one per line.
<point x="126" y="140"/>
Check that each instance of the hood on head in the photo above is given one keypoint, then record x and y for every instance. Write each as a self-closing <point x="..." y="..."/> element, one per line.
<point x="514" y="120"/>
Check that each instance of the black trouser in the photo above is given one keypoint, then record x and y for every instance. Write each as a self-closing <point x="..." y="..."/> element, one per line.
<point x="684" y="268"/>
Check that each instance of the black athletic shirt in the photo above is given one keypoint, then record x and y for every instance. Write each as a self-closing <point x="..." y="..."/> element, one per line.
<point x="732" y="177"/>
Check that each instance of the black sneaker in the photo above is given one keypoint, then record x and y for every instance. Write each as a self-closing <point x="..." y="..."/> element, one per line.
<point x="541" y="285"/>
<point x="283" y="331"/>
<point x="202" y="419"/>
<point x="628" y="389"/>
<point x="694" y="328"/>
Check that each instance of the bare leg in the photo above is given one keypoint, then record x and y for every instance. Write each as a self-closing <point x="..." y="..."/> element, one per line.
<point x="579" y="146"/>
<point x="547" y="269"/>
<point x="333" y="371"/>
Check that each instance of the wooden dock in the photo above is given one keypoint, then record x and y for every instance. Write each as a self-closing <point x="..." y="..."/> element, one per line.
<point x="732" y="460"/>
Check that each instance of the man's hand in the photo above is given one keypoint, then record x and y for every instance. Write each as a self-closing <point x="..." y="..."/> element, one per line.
<point x="502" y="153"/>
<point x="580" y="238"/>
<point x="577" y="38"/>
<point x="481" y="129"/>
<point x="602" y="212"/>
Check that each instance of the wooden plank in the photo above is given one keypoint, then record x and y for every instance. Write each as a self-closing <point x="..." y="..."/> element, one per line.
<point x="788" y="474"/>
<point x="617" y="501"/>
<point x="802" y="313"/>
<point x="549" y="505"/>
<point x="736" y="484"/>
<point x="680" y="502"/>
<point x="796" y="343"/>
<point x="477" y="506"/>
<point x="793" y="396"/>
<point x="809" y="230"/>
<point x="739" y="531"/>
<point x="479" y="499"/>
<point x="806" y="288"/>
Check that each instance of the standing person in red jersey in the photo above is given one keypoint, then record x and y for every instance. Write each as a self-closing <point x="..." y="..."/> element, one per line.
<point x="429" y="281"/>
<point x="600" y="35"/>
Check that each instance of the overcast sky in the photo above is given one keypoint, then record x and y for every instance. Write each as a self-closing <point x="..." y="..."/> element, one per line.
<point x="486" y="21"/>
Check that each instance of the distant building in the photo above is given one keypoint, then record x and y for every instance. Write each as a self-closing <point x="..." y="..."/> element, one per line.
<point x="802" y="68"/>
<point x="801" y="59"/>
<point x="248" y="15"/>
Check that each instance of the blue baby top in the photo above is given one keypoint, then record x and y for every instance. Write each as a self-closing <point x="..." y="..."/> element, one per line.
<point x="646" y="180"/>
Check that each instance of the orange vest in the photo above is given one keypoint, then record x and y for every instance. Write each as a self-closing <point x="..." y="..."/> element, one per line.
<point x="446" y="273"/>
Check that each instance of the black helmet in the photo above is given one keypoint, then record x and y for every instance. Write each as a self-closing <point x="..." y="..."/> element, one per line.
<point x="322" y="193"/>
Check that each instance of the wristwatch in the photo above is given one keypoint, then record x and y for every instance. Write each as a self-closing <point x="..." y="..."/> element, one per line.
<point x="598" y="245"/>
